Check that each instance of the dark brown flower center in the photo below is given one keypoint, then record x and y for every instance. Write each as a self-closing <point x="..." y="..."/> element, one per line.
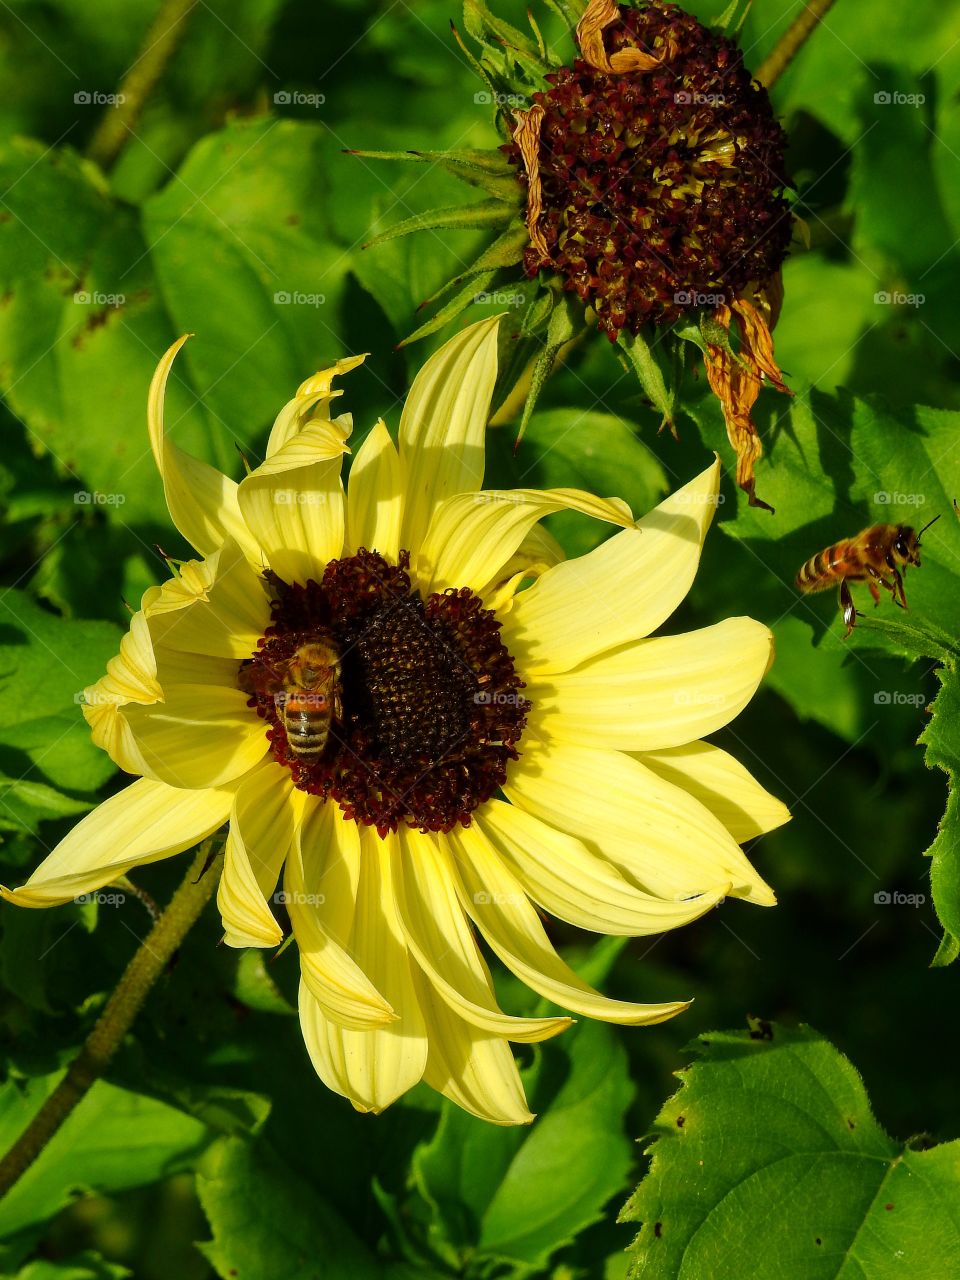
<point x="401" y="709"/>
<point x="662" y="190"/>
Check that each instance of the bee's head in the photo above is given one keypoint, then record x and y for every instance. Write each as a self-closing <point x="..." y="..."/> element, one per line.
<point x="906" y="544"/>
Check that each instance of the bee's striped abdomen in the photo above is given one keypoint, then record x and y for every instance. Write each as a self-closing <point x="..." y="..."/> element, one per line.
<point x="824" y="570"/>
<point x="306" y="720"/>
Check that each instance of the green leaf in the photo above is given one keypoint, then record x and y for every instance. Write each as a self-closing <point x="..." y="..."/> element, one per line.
<point x="82" y="328"/>
<point x="24" y="804"/>
<point x="115" y="1139"/>
<point x="85" y="1266"/>
<point x="834" y="465"/>
<point x="45" y="663"/>
<point x="515" y="1196"/>
<point x="268" y="1225"/>
<point x="941" y="738"/>
<point x="769" y="1162"/>
<point x="251" y="267"/>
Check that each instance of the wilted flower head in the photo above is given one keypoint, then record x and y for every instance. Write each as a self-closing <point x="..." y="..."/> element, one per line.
<point x="646" y="178"/>
<point x="409" y="710"/>
<point x="656" y="177"/>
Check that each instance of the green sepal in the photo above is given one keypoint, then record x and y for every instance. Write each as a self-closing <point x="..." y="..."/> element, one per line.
<point x="565" y="322"/>
<point x="947" y="952"/>
<point x="571" y="11"/>
<point x="489" y="170"/>
<point x="478" y="20"/>
<point x="640" y="356"/>
<point x="505" y="251"/>
<point x="475" y="283"/>
<point x="733" y="17"/>
<point x="486" y="213"/>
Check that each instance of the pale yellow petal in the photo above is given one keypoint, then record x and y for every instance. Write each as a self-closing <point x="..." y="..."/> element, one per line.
<point x="293" y="503"/>
<point x="471" y="536"/>
<point x="655" y="693"/>
<point x="723" y="785"/>
<point x="262" y="821"/>
<point x="656" y="834"/>
<point x="199" y="736"/>
<point x="218" y="606"/>
<point x="617" y="593"/>
<point x="441" y="940"/>
<point x="144" y="823"/>
<point x="131" y="677"/>
<point x="495" y="900"/>
<point x="371" y="1068"/>
<point x="317" y="870"/>
<point x="561" y="874"/>
<point x="201" y="500"/>
<point x="311" y="404"/>
<point x="442" y="426"/>
<point x="538" y="552"/>
<point x="375" y="496"/>
<point x="475" y="1070"/>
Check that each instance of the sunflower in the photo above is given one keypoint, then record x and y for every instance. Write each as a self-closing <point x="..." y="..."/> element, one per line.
<point x="644" y="177"/>
<point x="491" y="734"/>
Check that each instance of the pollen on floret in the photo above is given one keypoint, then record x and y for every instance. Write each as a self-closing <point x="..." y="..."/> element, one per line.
<point x="430" y="708"/>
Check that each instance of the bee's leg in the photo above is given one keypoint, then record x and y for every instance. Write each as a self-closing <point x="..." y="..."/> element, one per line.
<point x="872" y="584"/>
<point x="898" y="592"/>
<point x="847" y="608"/>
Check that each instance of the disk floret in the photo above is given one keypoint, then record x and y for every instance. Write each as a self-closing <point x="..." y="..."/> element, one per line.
<point x="430" y="709"/>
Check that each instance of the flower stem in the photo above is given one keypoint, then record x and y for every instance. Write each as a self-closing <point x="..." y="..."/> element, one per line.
<point x="124" y="1004"/>
<point x="793" y="40"/>
<point x="159" y="44"/>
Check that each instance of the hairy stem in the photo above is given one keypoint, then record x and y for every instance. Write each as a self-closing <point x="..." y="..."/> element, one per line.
<point x="159" y="45"/>
<point x="793" y="40"/>
<point x="124" y="1004"/>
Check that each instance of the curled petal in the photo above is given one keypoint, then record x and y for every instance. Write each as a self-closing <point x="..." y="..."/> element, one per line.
<point x="736" y="381"/>
<point x="599" y="15"/>
<point x="526" y="135"/>
<point x="201" y="500"/>
<point x="310" y="404"/>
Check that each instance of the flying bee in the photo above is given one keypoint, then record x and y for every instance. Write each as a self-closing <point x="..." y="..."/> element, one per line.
<point x="875" y="556"/>
<point x="307" y="691"/>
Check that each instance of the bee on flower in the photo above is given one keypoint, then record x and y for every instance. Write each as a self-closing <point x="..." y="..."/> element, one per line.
<point x="413" y="714"/>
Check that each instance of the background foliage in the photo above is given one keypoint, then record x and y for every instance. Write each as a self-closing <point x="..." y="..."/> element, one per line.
<point x="234" y="212"/>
